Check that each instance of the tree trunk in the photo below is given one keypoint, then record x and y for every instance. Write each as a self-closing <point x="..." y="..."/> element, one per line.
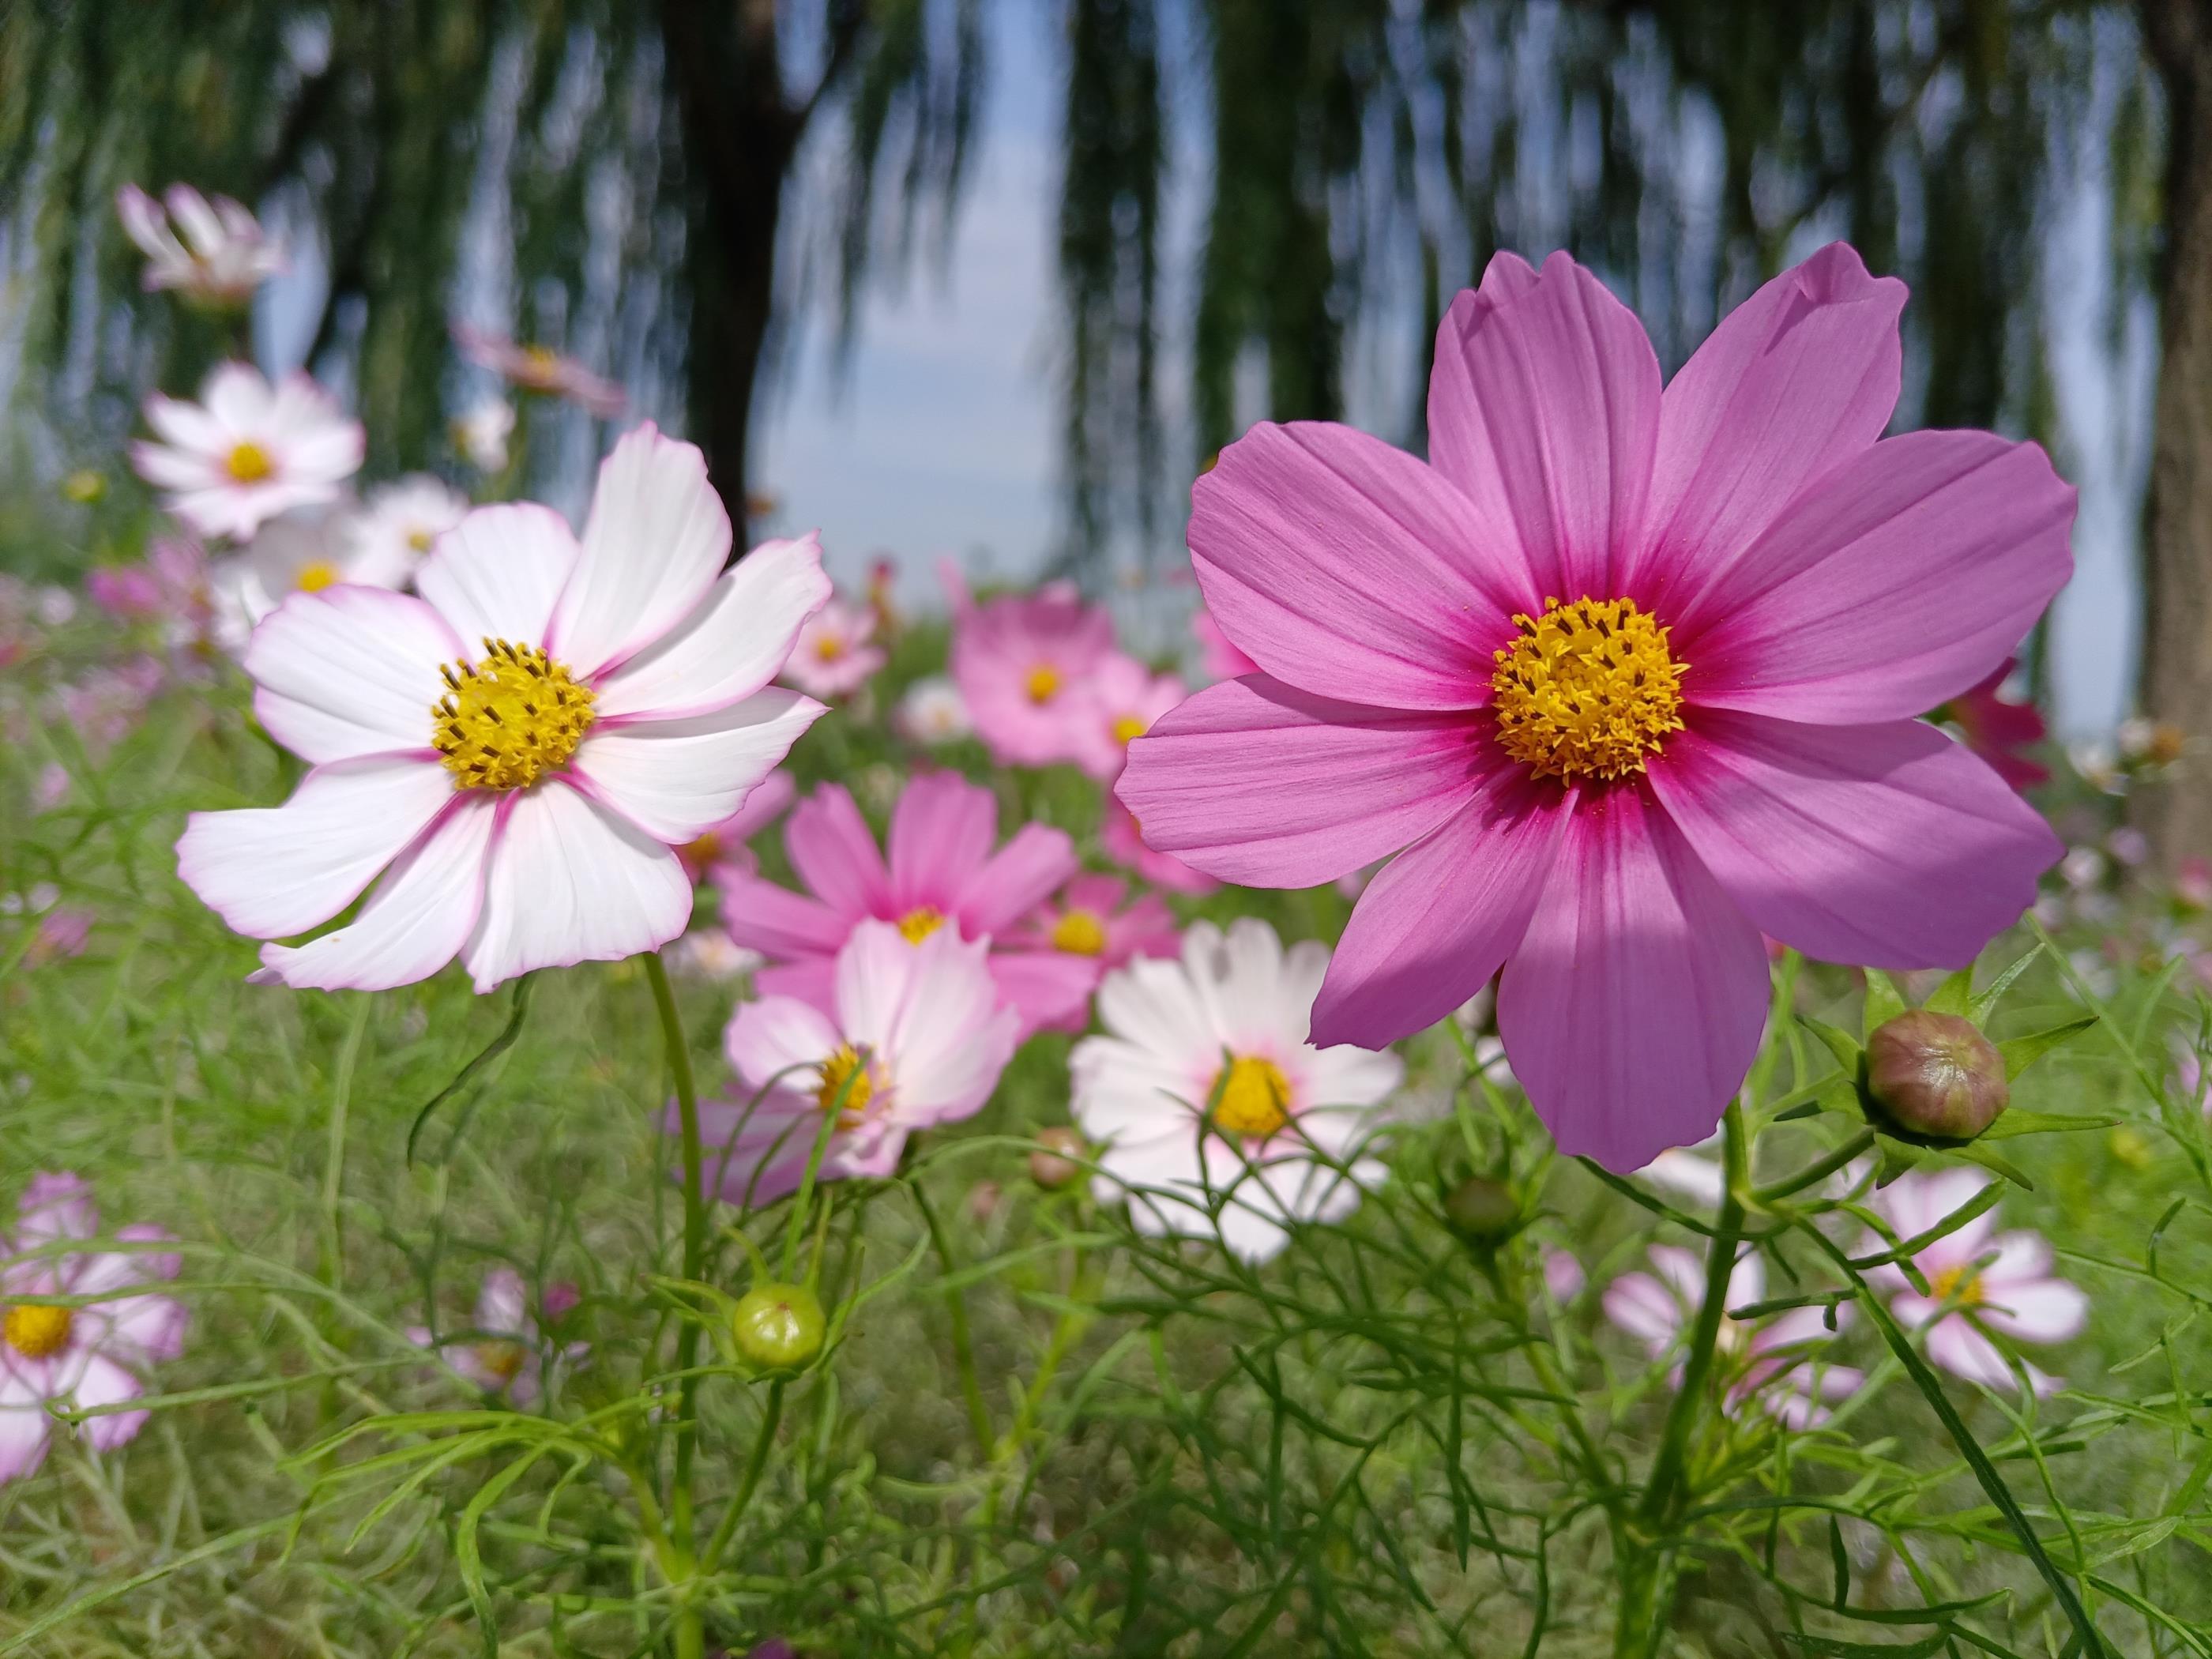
<point x="739" y="138"/>
<point x="2177" y="813"/>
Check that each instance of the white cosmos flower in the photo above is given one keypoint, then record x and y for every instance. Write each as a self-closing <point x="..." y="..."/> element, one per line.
<point x="1204" y="1079"/>
<point x="933" y="711"/>
<point x="299" y="552"/>
<point x="482" y="431"/>
<point x="521" y="748"/>
<point x="247" y="451"/>
<point x="396" y="526"/>
<point x="216" y="251"/>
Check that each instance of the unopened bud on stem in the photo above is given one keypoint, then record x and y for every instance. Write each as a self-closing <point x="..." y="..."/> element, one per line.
<point x="779" y="1327"/>
<point x="1482" y="1209"/>
<point x="1936" y="1074"/>
<point x="1054" y="1164"/>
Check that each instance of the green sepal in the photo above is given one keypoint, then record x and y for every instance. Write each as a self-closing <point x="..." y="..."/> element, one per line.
<point x="2021" y="1052"/>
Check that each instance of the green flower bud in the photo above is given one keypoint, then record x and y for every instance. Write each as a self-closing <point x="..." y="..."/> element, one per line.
<point x="779" y="1327"/>
<point x="1054" y="1165"/>
<point x="1936" y="1074"/>
<point x="1482" y="1210"/>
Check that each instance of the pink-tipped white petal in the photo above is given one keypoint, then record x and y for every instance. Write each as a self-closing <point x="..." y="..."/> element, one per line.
<point x="104" y="1382"/>
<point x="498" y="573"/>
<point x="774" y="1040"/>
<point x="678" y="778"/>
<point x="732" y="645"/>
<point x="349" y="670"/>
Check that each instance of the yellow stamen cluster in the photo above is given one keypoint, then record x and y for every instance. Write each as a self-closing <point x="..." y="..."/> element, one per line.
<point x="503" y="1359"/>
<point x="540" y="368"/>
<point x="316" y="575"/>
<point x="420" y="539"/>
<point x="1252" y="1098"/>
<point x="1128" y="729"/>
<point x="828" y="648"/>
<point x="918" y="925"/>
<point x="1042" y="682"/>
<point x="248" y="462"/>
<point x="37" y="1332"/>
<point x="1079" y="932"/>
<point x="1962" y="1285"/>
<point x="510" y="718"/>
<point x="843" y="1066"/>
<point x="1588" y="690"/>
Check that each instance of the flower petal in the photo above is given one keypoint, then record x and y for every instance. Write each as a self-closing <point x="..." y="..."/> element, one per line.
<point x="1047" y="988"/>
<point x="1544" y="410"/>
<point x="678" y="778"/>
<point x="25" y="1432"/>
<point x="104" y="1382"/>
<point x="1800" y="376"/>
<point x="349" y="670"/>
<point x="1018" y="877"/>
<point x="1901" y="578"/>
<point x="570" y="881"/>
<point x="733" y="644"/>
<point x="941" y="834"/>
<point x="1443" y="916"/>
<point x="771" y="1039"/>
<point x="1881" y="845"/>
<point x="270" y="871"/>
<point x="416" y="922"/>
<point x="654" y="543"/>
<point x="832" y="849"/>
<point x="497" y="573"/>
<point x="776" y="921"/>
<point x="1257" y="782"/>
<point x="1346" y="566"/>
<point x="1633" y="1007"/>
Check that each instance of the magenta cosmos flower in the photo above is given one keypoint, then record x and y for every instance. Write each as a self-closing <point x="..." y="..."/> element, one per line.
<point x="77" y="1357"/>
<point x="1095" y="916"/>
<point x="1112" y="709"/>
<point x="523" y="748"/>
<point x="943" y="873"/>
<point x="1024" y="664"/>
<point x="1624" y="676"/>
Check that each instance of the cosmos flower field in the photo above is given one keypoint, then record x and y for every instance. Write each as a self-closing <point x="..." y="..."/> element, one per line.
<point x="1558" y="1067"/>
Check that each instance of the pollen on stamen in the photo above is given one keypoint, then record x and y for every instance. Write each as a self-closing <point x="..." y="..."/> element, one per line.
<point x="1586" y="691"/>
<point x="497" y="729"/>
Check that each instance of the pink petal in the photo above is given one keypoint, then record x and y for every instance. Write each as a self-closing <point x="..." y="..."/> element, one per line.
<point x="1882" y="846"/>
<point x="349" y="670"/>
<point x="1257" y="782"/>
<point x="1020" y="876"/>
<point x="1901" y="578"/>
<point x="1349" y="569"/>
<point x="570" y="882"/>
<point x="952" y="1037"/>
<point x="416" y="922"/>
<point x="25" y="1432"/>
<point x="1632" y="1008"/>
<point x="776" y="921"/>
<point x="811" y="979"/>
<point x="1544" y="410"/>
<point x="268" y="871"/>
<point x="678" y="778"/>
<point x="104" y="1382"/>
<point x="55" y="1206"/>
<point x="1640" y="1305"/>
<point x="1443" y="916"/>
<point x="2042" y="1310"/>
<point x="497" y="573"/>
<point x="772" y="1040"/>
<point x="941" y="836"/>
<point x="1045" y="987"/>
<point x="1801" y="375"/>
<point x="732" y="645"/>
<point x="834" y="851"/>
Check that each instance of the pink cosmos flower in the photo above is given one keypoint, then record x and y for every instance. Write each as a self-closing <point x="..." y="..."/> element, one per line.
<point x="1221" y="660"/>
<point x="247" y="451"/>
<point x="942" y="874"/>
<point x="1121" y="840"/>
<point x="1776" y="1361"/>
<point x="523" y="748"/>
<point x="507" y="1350"/>
<point x="107" y="703"/>
<point x="832" y="657"/>
<point x="1977" y="1284"/>
<point x="541" y="369"/>
<point x="1623" y="676"/>
<point x="216" y="251"/>
<point x="1095" y="916"/>
<point x="913" y="1035"/>
<point x="2000" y="729"/>
<point x="77" y="1357"/>
<point x="1021" y="662"/>
<point x="723" y="845"/>
<point x="1113" y="709"/>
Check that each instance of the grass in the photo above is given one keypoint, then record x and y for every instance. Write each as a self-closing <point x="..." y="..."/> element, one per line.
<point x="1388" y="1441"/>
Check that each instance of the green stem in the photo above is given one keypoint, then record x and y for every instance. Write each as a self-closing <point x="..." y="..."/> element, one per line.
<point x="334" y="1148"/>
<point x="690" y="1628"/>
<point x="963" y="1352"/>
<point x="711" y="1556"/>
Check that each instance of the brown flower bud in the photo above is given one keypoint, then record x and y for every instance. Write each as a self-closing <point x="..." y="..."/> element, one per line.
<point x="1936" y="1074"/>
<point x="1053" y="1165"/>
<point x="1482" y="1210"/>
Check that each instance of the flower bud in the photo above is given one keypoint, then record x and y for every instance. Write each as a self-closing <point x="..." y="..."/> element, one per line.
<point x="1054" y="1164"/>
<point x="779" y="1327"/>
<point x="1482" y="1210"/>
<point x="1936" y="1074"/>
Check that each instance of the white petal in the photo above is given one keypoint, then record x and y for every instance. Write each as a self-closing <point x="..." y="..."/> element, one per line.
<point x="25" y="1430"/>
<point x="952" y="1040"/>
<point x="237" y="395"/>
<point x="731" y="645"/>
<point x="272" y="870"/>
<point x="679" y="778"/>
<point x="415" y="923"/>
<point x="769" y="1038"/>
<point x="571" y="882"/>
<point x="349" y="670"/>
<point x="497" y="572"/>
<point x="652" y="546"/>
<point x="104" y="1382"/>
<point x="875" y="975"/>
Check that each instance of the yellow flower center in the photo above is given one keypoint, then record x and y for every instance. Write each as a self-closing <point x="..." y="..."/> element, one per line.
<point x="503" y="1359"/>
<point x="510" y="718"/>
<point x="828" y="648"/>
<point x="1252" y="1098"/>
<point x="315" y="576"/>
<point x="706" y="849"/>
<point x="1079" y="932"/>
<point x="846" y="1066"/>
<point x="420" y="539"/>
<point x="540" y="366"/>
<point x="248" y="462"/>
<point x="1043" y="681"/>
<point x="918" y="925"/>
<point x="1588" y="691"/>
<point x="1128" y="729"/>
<point x="37" y="1332"/>
<point x="1960" y="1284"/>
